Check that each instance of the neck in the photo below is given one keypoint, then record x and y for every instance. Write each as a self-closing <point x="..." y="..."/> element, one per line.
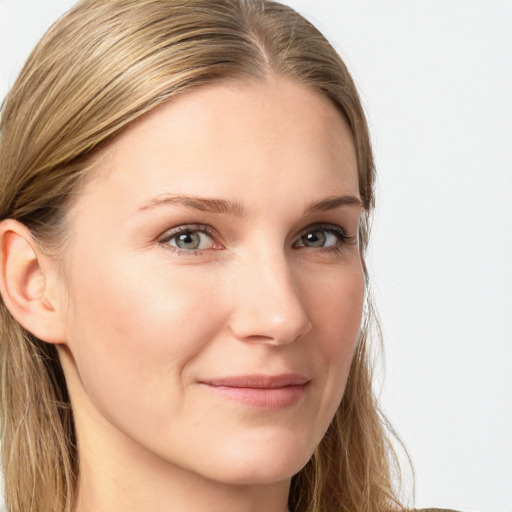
<point x="119" y="475"/>
<point x="138" y="490"/>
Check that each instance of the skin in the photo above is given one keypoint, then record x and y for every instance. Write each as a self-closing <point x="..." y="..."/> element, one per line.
<point x="271" y="290"/>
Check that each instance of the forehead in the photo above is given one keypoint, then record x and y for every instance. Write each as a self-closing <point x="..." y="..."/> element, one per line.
<point x="276" y="134"/>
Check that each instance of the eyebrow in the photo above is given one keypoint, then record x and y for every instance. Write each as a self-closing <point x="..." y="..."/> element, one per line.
<point x="224" y="206"/>
<point x="331" y="203"/>
<point x="197" y="203"/>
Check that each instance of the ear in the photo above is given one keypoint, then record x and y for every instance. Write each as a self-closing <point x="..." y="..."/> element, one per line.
<point x="28" y="282"/>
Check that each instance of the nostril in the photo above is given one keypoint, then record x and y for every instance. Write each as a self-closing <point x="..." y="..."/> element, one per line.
<point x="272" y="330"/>
<point x="258" y="338"/>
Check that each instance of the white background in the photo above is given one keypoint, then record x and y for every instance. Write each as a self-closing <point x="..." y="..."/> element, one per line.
<point x="436" y="80"/>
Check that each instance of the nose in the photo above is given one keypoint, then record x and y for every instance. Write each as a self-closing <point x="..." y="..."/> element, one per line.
<point x="268" y="303"/>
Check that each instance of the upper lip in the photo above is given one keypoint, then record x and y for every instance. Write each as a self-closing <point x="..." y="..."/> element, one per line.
<point x="259" y="381"/>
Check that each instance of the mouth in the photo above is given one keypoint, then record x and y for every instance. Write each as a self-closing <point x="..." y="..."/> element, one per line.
<point x="270" y="392"/>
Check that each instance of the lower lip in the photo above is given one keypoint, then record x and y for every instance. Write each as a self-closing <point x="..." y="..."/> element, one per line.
<point x="262" y="398"/>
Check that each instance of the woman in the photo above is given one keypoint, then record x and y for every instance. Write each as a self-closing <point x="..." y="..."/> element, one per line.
<point x="185" y="310"/>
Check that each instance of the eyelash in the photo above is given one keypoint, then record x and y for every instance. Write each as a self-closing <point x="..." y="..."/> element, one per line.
<point x="183" y="230"/>
<point x="343" y="238"/>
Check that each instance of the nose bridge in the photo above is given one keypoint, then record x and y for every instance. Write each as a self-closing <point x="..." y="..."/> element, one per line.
<point x="269" y="305"/>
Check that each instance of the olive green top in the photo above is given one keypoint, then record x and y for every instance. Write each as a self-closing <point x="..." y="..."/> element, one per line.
<point x="433" y="510"/>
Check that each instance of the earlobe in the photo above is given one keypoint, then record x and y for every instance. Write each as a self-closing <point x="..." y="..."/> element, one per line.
<point x="25" y="277"/>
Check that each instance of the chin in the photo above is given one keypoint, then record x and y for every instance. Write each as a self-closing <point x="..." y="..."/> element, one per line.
<point x="248" y="474"/>
<point x="262" y="463"/>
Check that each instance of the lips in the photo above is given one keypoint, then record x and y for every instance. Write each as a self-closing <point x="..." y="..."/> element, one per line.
<point x="269" y="392"/>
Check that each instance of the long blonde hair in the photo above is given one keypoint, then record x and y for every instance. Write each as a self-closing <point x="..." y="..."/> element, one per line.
<point x="100" y="67"/>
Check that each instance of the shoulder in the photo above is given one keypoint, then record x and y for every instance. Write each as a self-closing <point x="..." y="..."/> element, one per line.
<point x="431" y="510"/>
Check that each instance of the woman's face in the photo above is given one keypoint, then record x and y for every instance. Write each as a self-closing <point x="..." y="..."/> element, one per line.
<point x="214" y="284"/>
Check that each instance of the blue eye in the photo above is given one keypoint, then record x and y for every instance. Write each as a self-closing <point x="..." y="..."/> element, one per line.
<point x="189" y="238"/>
<point x="320" y="237"/>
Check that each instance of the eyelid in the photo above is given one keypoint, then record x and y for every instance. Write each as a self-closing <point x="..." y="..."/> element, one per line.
<point x="184" y="228"/>
<point x="188" y="228"/>
<point x="344" y="237"/>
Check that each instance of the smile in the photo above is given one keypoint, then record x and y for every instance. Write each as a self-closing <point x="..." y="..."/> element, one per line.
<point x="261" y="391"/>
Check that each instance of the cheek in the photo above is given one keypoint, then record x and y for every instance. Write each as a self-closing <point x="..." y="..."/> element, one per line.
<point x="338" y="313"/>
<point x="134" y="330"/>
<point x="338" y="308"/>
<point x="121" y="302"/>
